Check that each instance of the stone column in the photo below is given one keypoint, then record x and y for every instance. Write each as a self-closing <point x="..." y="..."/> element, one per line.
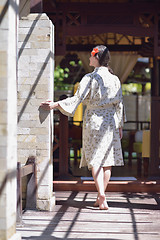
<point x="35" y="84"/>
<point x="8" y="120"/>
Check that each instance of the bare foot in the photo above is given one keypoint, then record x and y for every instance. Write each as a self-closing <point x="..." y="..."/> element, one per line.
<point x="96" y="204"/>
<point x="102" y="203"/>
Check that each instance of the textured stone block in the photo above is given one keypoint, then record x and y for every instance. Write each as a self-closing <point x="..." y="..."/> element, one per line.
<point x="27" y="145"/>
<point x="46" y="205"/>
<point x="3" y="151"/>
<point x="23" y="130"/>
<point x="33" y="66"/>
<point x="23" y="73"/>
<point x="43" y="191"/>
<point x="42" y="95"/>
<point x="3" y="141"/>
<point x="26" y="153"/>
<point x="42" y="146"/>
<point x="3" y="118"/>
<point x="41" y="45"/>
<point x="43" y="138"/>
<point x="3" y="57"/>
<point x="22" y="44"/>
<point x="27" y="124"/>
<point x="26" y="138"/>
<point x="16" y="236"/>
<point x="3" y="70"/>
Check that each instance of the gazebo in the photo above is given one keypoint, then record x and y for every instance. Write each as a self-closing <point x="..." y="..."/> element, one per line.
<point x="124" y="26"/>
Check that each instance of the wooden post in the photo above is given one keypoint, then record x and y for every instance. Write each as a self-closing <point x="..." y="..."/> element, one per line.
<point x="154" y="166"/>
<point x="63" y="145"/>
<point x="31" y="185"/>
<point x="19" y="195"/>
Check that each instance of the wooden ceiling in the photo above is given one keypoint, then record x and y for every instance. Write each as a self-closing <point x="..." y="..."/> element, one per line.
<point x="122" y="25"/>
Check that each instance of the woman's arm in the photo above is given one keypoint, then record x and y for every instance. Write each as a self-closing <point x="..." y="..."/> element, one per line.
<point x="49" y="105"/>
<point x="69" y="105"/>
<point x="121" y="132"/>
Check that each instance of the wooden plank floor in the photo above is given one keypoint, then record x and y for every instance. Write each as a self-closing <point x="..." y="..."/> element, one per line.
<point x="131" y="216"/>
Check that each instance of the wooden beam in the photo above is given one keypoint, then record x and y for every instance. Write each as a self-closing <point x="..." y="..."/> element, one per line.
<point x="107" y="8"/>
<point x="91" y="29"/>
<point x="133" y="18"/>
<point x="27" y="169"/>
<point x="112" y="48"/>
<point x="113" y="186"/>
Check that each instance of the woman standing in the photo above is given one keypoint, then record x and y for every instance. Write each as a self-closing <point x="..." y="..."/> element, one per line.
<point x="103" y="120"/>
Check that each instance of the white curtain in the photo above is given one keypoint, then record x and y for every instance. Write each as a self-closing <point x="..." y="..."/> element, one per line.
<point x="122" y="64"/>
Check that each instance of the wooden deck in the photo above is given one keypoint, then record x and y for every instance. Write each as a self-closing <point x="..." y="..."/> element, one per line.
<point x="131" y="216"/>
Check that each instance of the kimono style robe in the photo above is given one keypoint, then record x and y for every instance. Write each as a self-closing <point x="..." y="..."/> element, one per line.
<point x="101" y="92"/>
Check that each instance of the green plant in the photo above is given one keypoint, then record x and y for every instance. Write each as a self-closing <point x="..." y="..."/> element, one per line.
<point x="131" y="88"/>
<point x="60" y="75"/>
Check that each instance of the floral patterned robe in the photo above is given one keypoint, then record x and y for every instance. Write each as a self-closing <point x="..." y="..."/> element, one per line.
<point x="101" y="92"/>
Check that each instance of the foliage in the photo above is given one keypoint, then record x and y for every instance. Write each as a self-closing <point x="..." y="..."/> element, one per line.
<point x="132" y="88"/>
<point x="62" y="74"/>
<point x="148" y="87"/>
<point x="59" y="75"/>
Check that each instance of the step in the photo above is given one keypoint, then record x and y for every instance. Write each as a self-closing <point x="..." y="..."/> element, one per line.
<point x="115" y="185"/>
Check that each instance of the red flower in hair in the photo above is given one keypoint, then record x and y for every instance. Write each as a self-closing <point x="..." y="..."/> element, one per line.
<point x="95" y="50"/>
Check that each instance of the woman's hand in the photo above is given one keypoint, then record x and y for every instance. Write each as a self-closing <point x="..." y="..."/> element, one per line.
<point x="49" y="105"/>
<point x="121" y="132"/>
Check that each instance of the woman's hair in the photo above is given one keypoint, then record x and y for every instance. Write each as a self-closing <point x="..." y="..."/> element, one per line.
<point x="103" y="56"/>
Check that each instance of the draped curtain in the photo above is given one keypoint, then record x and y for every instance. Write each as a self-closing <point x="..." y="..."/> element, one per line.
<point x="122" y="64"/>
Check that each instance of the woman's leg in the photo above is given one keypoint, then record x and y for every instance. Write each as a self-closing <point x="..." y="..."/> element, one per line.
<point x="98" y="175"/>
<point x="106" y="178"/>
<point x="107" y="175"/>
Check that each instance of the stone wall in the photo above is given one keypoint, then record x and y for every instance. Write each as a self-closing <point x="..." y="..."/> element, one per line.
<point x="8" y="119"/>
<point x="35" y="84"/>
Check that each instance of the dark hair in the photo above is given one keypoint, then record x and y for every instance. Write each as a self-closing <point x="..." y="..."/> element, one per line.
<point x="103" y="56"/>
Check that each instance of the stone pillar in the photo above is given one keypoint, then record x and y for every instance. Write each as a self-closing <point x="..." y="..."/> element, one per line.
<point x="35" y="84"/>
<point x="8" y="120"/>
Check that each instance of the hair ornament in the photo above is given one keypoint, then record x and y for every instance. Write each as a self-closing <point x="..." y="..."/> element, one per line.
<point x="95" y="50"/>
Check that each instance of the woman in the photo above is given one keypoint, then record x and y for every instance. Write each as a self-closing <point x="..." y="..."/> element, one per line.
<point x="101" y="92"/>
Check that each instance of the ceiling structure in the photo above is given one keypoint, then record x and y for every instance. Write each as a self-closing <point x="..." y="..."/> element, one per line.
<point x="126" y="25"/>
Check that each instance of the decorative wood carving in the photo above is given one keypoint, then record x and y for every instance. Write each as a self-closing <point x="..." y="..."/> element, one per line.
<point x="85" y="23"/>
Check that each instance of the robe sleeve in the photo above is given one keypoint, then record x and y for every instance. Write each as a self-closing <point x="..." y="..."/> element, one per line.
<point x="120" y="109"/>
<point x="69" y="105"/>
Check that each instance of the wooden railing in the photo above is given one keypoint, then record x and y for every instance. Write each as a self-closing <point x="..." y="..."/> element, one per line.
<point x="29" y="170"/>
<point x="67" y="134"/>
<point x="136" y="125"/>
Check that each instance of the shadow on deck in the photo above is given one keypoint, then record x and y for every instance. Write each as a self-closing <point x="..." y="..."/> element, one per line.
<point x="131" y="216"/>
